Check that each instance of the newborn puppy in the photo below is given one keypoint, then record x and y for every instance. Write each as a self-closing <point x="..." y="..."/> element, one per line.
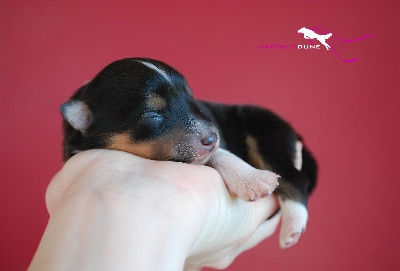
<point x="146" y="108"/>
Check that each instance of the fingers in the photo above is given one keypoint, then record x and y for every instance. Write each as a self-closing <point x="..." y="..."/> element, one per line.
<point x="265" y="230"/>
<point x="264" y="208"/>
<point x="224" y="257"/>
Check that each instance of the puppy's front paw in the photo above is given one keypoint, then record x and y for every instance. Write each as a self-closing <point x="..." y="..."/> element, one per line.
<point x="294" y="221"/>
<point x="254" y="184"/>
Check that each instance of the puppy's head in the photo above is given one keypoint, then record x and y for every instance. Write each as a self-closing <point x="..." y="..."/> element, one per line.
<point x="143" y="107"/>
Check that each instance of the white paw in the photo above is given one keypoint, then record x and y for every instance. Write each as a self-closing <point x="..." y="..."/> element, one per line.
<point x="294" y="221"/>
<point x="254" y="184"/>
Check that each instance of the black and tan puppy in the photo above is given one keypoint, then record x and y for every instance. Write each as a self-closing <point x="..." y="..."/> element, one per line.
<point x="146" y="108"/>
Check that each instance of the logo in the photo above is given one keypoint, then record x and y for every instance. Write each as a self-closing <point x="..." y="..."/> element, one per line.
<point x="309" y="34"/>
<point x="316" y="38"/>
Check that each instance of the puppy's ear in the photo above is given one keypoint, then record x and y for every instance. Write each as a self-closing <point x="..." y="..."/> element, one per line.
<point x="77" y="114"/>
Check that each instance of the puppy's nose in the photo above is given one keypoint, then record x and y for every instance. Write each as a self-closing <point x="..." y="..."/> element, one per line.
<point x="210" y="140"/>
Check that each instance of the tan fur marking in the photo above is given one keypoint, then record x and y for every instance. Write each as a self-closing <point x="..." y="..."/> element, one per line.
<point x="156" y="102"/>
<point x="123" y="142"/>
<point x="255" y="157"/>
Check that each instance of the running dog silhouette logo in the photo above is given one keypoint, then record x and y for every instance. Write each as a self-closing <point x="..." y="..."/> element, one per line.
<point x="316" y="38"/>
<point x="309" y="34"/>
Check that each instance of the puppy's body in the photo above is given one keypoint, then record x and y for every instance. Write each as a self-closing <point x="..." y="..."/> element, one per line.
<point x="145" y="107"/>
<point x="265" y="141"/>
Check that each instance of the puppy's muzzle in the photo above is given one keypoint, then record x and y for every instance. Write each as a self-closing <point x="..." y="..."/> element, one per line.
<point x="210" y="141"/>
<point x="205" y="147"/>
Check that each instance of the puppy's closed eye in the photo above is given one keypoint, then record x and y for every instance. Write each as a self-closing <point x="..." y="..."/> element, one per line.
<point x="153" y="118"/>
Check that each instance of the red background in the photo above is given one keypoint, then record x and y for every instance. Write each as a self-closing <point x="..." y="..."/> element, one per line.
<point x="347" y="112"/>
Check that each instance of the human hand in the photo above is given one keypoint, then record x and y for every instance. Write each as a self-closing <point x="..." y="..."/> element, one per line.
<point x="111" y="210"/>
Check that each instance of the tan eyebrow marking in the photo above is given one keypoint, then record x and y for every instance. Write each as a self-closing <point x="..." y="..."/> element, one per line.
<point x="156" y="102"/>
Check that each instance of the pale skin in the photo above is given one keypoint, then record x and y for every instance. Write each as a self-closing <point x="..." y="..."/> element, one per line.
<point x="111" y="210"/>
<point x="242" y="179"/>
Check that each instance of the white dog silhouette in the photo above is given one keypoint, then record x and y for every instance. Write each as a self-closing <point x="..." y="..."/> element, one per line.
<point x="309" y="34"/>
